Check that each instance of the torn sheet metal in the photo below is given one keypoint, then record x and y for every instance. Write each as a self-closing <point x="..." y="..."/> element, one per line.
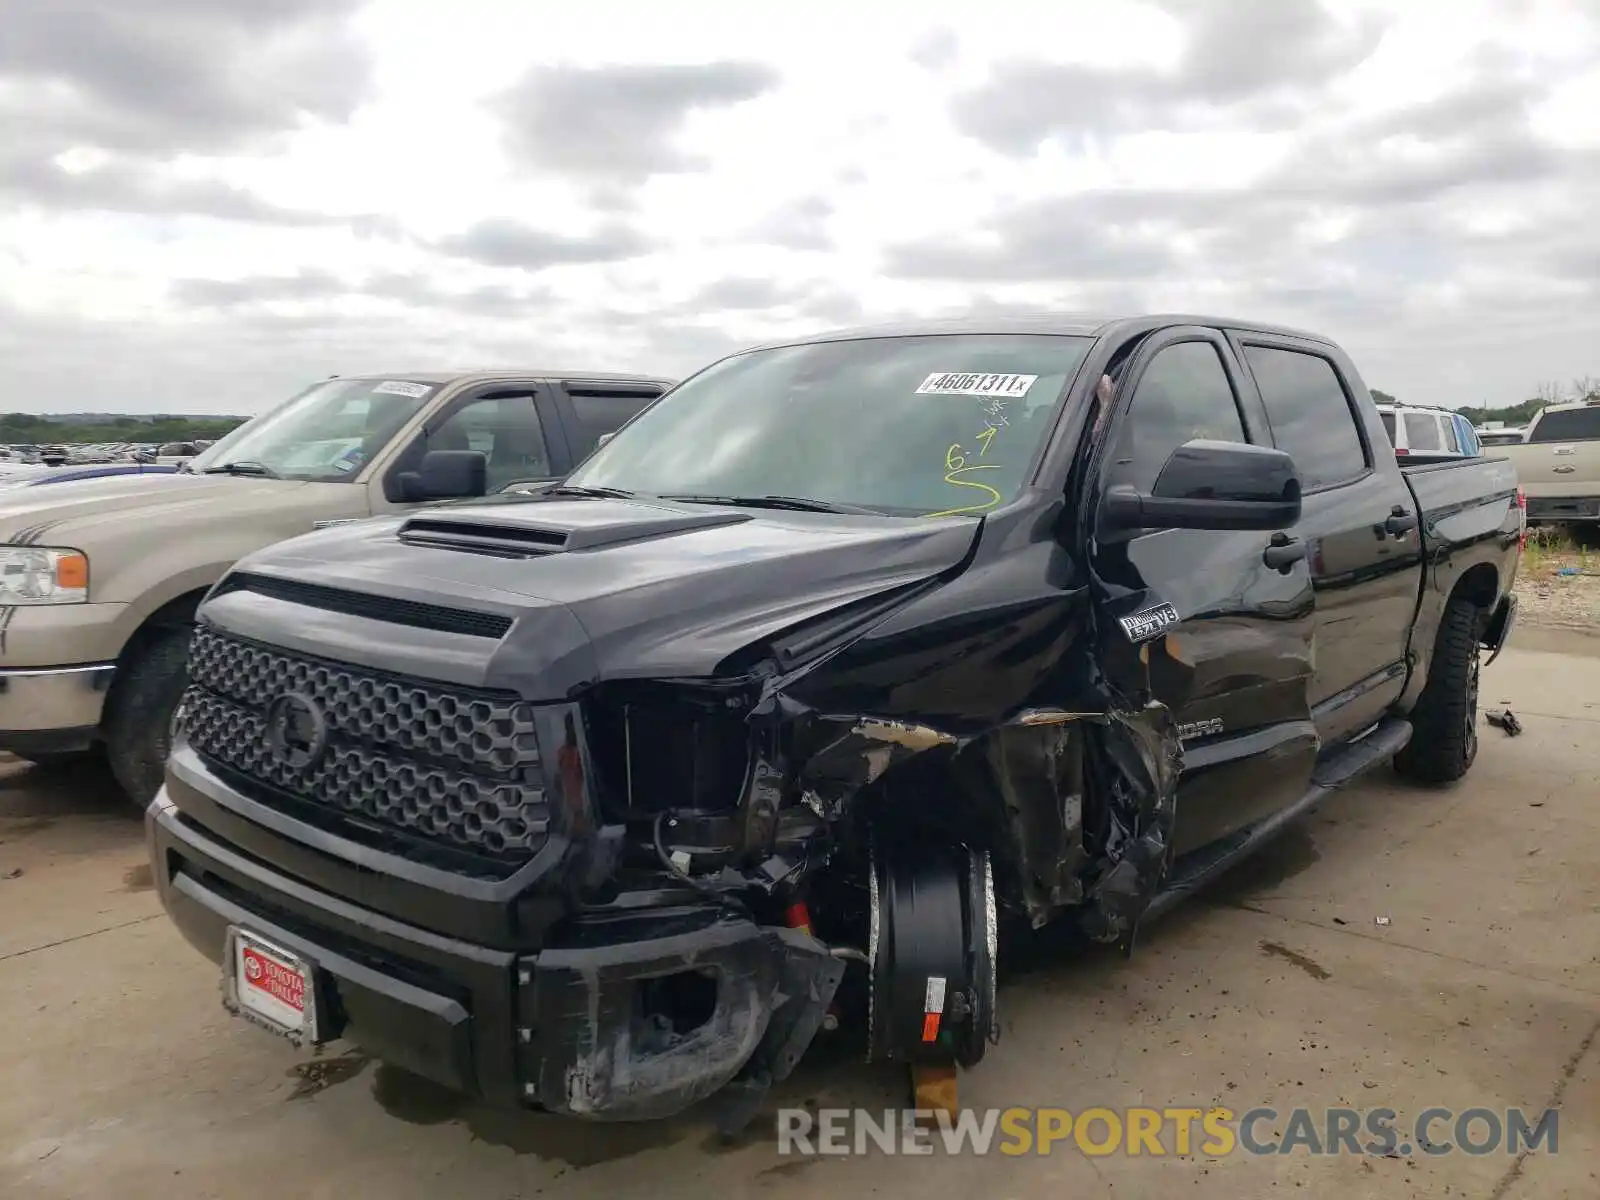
<point x="1133" y="767"/>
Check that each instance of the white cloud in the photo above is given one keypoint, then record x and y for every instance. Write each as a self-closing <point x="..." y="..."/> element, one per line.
<point x="211" y="204"/>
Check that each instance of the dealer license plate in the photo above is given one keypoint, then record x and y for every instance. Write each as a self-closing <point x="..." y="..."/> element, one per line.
<point x="266" y="984"/>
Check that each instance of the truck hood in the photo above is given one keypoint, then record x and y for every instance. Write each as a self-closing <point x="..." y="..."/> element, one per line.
<point x="73" y="511"/>
<point x="611" y="589"/>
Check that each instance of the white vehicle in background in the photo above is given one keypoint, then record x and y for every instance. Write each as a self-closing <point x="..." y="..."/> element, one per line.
<point x="1501" y="435"/>
<point x="1417" y="429"/>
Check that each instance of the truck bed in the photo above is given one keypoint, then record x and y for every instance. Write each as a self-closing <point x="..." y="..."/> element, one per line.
<point x="1445" y="487"/>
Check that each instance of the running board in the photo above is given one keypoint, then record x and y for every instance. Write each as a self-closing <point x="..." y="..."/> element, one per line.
<point x="1348" y="763"/>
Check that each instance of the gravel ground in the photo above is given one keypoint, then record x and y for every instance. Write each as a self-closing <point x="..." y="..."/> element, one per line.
<point x="1547" y="597"/>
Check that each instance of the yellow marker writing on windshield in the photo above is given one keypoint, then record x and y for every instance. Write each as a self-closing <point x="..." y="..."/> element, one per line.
<point x="957" y="469"/>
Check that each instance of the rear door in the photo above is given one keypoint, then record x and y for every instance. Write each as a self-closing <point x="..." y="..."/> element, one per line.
<point x="1235" y="665"/>
<point x="1358" y="519"/>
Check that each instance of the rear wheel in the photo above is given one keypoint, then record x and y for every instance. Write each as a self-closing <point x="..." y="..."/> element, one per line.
<point x="1444" y="738"/>
<point x="140" y="712"/>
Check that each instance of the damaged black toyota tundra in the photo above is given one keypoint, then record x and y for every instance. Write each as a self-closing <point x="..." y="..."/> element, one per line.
<point x="836" y="662"/>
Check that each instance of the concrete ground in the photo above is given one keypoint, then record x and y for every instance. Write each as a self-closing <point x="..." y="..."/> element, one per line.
<point x="121" y="1076"/>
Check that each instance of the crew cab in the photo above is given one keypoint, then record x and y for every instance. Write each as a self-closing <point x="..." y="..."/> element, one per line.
<point x="843" y="659"/>
<point x="100" y="577"/>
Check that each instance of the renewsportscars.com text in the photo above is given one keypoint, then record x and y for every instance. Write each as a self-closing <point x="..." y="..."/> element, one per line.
<point x="1166" y="1132"/>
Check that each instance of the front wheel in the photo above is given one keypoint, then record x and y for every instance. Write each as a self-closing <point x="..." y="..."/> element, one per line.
<point x="140" y="710"/>
<point x="1444" y="724"/>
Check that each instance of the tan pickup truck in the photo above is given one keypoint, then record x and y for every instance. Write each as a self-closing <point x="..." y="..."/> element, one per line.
<point x="1558" y="464"/>
<point x="99" y="578"/>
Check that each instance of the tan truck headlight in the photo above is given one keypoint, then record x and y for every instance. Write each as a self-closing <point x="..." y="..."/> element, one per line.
<point x="43" y="575"/>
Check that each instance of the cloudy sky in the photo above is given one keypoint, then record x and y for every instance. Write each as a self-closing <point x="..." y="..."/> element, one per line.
<point x="204" y="204"/>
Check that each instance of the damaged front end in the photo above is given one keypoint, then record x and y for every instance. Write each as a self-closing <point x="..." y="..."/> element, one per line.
<point x="805" y="838"/>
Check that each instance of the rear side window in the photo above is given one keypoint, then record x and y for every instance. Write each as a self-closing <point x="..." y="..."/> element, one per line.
<point x="1388" y="425"/>
<point x="1422" y="432"/>
<point x="1310" y="415"/>
<point x="1447" y="426"/>
<point x="1573" y="425"/>
<point x="601" y="413"/>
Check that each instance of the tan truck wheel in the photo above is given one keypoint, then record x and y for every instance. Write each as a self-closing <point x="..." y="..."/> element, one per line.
<point x="138" y="724"/>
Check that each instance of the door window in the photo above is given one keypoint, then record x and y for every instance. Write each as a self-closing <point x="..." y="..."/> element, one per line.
<point x="506" y="430"/>
<point x="1311" y="416"/>
<point x="1448" y="427"/>
<point x="599" y="413"/>
<point x="1183" y="394"/>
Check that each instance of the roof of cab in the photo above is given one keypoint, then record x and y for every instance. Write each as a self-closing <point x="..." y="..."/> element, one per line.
<point x="1058" y="324"/>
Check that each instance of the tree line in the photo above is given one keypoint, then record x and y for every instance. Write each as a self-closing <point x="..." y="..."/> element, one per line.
<point x="27" y="429"/>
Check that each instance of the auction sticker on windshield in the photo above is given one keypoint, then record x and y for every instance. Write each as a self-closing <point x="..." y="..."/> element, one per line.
<point x="269" y="986"/>
<point x="398" y="387"/>
<point x="970" y="383"/>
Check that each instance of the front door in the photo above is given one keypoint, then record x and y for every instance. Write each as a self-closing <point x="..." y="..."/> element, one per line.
<point x="1235" y="666"/>
<point x="506" y="423"/>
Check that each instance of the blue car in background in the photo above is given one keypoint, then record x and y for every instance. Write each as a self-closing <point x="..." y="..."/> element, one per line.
<point x="33" y="477"/>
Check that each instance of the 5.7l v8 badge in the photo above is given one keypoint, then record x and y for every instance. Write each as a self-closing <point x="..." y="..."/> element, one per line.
<point x="1148" y="622"/>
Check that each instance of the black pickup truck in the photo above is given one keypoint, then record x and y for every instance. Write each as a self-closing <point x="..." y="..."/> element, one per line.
<point x="833" y="665"/>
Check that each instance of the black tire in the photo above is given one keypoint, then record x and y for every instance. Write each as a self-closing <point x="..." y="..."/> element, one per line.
<point x="1444" y="723"/>
<point x="138" y="725"/>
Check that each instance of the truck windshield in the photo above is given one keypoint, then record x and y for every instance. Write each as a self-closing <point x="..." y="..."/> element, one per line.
<point x="325" y="433"/>
<point x="941" y="425"/>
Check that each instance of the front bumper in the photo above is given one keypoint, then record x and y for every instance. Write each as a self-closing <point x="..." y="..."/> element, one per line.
<point x="52" y="708"/>
<point x="574" y="1026"/>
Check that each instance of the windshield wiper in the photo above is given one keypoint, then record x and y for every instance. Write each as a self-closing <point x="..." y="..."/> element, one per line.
<point x="606" y="493"/>
<point x="243" y="468"/>
<point x="793" y="503"/>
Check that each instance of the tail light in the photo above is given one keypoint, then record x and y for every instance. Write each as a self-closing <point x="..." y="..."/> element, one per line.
<point x="1522" y="518"/>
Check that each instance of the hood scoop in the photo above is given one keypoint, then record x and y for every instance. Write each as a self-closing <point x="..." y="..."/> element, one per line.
<point x="559" y="528"/>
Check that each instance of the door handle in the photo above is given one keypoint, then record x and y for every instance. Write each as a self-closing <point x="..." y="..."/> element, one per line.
<point x="1564" y="470"/>
<point x="1283" y="552"/>
<point x="1400" y="522"/>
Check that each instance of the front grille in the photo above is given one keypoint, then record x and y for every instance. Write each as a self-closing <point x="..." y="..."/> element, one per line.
<point x="446" y="764"/>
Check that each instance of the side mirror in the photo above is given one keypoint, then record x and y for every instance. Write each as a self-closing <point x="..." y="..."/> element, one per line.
<point x="447" y="475"/>
<point x="1212" y="485"/>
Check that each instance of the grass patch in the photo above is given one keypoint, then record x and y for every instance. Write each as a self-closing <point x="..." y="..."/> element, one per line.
<point x="1551" y="547"/>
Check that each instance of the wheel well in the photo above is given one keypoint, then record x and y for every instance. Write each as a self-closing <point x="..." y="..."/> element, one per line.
<point x="174" y="614"/>
<point x="1480" y="584"/>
